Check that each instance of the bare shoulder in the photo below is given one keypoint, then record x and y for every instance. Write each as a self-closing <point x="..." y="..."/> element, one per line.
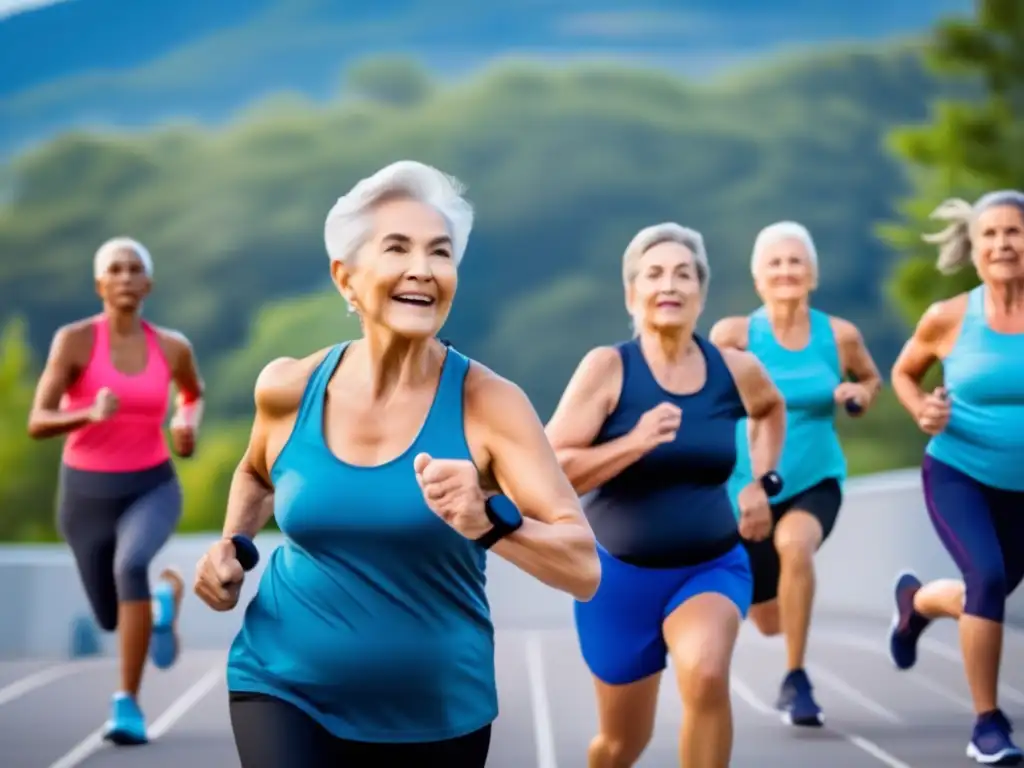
<point x="942" y="319"/>
<point x="730" y="332"/>
<point x="173" y="340"/>
<point x="282" y="383"/>
<point x="846" y="332"/>
<point x="72" y="343"/>
<point x="743" y="365"/>
<point x="489" y="396"/>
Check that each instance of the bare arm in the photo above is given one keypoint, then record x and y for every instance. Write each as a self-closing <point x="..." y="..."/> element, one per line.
<point x="585" y="404"/>
<point x="46" y="419"/>
<point x="730" y="333"/>
<point x="930" y="342"/>
<point x="766" y="410"/>
<point x="555" y="544"/>
<point x="278" y="393"/>
<point x="857" y="363"/>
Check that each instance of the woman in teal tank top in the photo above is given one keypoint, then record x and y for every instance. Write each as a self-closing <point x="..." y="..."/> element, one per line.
<point x="973" y="483"/>
<point x="809" y="356"/>
<point x="385" y="462"/>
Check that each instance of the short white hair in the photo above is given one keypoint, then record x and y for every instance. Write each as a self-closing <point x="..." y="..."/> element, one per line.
<point x="348" y="222"/>
<point x="667" y="232"/>
<point x="955" y="241"/>
<point x="107" y="252"/>
<point x="784" y="230"/>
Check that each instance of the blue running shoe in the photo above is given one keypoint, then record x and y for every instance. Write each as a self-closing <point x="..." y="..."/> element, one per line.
<point x="163" y="643"/>
<point x="127" y="725"/>
<point x="796" y="702"/>
<point x="991" y="743"/>
<point x="907" y="624"/>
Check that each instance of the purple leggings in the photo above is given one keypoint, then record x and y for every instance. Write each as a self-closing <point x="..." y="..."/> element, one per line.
<point x="982" y="528"/>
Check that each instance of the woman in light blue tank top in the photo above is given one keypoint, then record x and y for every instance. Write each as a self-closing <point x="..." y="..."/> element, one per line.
<point x="973" y="482"/>
<point x="385" y="462"/>
<point x="808" y="355"/>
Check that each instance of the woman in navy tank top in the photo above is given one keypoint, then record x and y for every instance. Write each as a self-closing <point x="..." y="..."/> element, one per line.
<point x="649" y="427"/>
<point x="809" y="356"/>
<point x="385" y="462"/>
<point x="973" y="483"/>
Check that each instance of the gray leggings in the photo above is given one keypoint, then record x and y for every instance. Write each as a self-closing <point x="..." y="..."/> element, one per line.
<point x="115" y="523"/>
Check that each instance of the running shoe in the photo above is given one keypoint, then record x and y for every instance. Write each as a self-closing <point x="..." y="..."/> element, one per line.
<point x="127" y="725"/>
<point x="991" y="743"/>
<point x="907" y="624"/>
<point x="163" y="643"/>
<point x="796" y="701"/>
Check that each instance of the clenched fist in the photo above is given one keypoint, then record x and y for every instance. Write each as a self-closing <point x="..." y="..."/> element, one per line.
<point x="451" y="488"/>
<point x="658" y="425"/>
<point x="104" y="406"/>
<point x="219" y="576"/>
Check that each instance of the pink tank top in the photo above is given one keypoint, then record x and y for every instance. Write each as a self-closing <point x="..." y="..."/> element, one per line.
<point x="133" y="438"/>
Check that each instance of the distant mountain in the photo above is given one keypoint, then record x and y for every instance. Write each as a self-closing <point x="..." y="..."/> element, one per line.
<point x="130" y="63"/>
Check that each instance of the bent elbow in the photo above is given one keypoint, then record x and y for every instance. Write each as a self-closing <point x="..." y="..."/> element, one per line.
<point x="35" y="429"/>
<point x="589" y="575"/>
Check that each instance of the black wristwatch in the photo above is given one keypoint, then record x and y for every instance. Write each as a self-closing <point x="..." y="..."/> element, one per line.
<point x="771" y="481"/>
<point x="504" y="516"/>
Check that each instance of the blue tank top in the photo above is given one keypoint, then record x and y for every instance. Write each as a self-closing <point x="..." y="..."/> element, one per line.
<point x="372" y="616"/>
<point x="807" y="379"/>
<point x="670" y="508"/>
<point x="984" y="374"/>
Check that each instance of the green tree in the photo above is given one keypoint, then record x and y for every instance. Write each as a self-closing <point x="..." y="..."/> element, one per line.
<point x="972" y="144"/>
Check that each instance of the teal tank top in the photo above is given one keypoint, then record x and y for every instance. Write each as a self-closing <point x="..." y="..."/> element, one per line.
<point x="807" y="379"/>
<point x="372" y="617"/>
<point x="984" y="375"/>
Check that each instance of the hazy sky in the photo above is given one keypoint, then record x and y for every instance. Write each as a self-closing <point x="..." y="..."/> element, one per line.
<point x="7" y="7"/>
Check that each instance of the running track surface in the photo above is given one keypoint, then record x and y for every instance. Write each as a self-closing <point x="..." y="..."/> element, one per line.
<point x="876" y="716"/>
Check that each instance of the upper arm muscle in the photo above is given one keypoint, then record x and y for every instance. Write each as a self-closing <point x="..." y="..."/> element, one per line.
<point x="587" y="400"/>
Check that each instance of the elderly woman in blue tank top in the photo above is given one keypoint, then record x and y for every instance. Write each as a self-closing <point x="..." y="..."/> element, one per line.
<point x="973" y="483"/>
<point x="649" y="425"/>
<point x="809" y="356"/>
<point x="386" y="462"/>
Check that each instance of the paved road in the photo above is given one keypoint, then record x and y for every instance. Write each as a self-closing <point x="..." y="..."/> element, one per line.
<point x="877" y="717"/>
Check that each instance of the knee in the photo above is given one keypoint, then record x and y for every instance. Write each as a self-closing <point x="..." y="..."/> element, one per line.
<point x="766" y="618"/>
<point x="704" y="684"/>
<point x="985" y="595"/>
<point x="611" y="752"/>
<point x="132" y="577"/>
<point x="796" y="553"/>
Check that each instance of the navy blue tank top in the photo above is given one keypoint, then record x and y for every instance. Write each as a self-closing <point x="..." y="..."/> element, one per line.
<point x="671" y="508"/>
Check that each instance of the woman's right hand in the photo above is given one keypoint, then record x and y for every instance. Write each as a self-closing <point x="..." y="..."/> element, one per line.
<point x="104" y="405"/>
<point x="219" y="576"/>
<point x="933" y="414"/>
<point x="658" y="425"/>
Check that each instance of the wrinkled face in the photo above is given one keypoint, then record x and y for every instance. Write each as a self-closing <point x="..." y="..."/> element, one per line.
<point x="665" y="292"/>
<point x="403" y="278"/>
<point x="124" y="283"/>
<point x="998" y="243"/>
<point x="783" y="271"/>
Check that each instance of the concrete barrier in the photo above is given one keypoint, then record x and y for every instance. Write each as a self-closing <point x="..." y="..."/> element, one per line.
<point x="882" y="529"/>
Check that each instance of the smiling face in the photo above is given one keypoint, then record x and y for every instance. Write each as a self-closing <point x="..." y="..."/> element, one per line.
<point x="784" y="272"/>
<point x="998" y="244"/>
<point x="665" y="292"/>
<point x="123" y="284"/>
<point x="403" y="278"/>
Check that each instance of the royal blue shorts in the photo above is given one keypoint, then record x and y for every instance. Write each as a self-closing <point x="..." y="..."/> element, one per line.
<point x="620" y="629"/>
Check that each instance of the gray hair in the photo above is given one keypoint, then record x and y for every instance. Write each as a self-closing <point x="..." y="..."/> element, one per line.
<point x="348" y="223"/>
<point x="784" y="230"/>
<point x="107" y="252"/>
<point x="954" y="242"/>
<point x="668" y="232"/>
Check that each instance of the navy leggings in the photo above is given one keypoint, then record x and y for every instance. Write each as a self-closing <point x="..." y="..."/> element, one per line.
<point x="982" y="528"/>
<point x="115" y="523"/>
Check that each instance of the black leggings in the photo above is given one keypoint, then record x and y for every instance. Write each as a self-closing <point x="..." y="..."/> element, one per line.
<point x="270" y="733"/>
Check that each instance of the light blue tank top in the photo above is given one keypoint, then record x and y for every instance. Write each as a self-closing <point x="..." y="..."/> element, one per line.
<point x="372" y="616"/>
<point x="984" y="374"/>
<point x="807" y="379"/>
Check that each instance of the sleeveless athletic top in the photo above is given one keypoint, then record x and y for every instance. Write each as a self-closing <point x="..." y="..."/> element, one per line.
<point x="984" y="374"/>
<point x="133" y="438"/>
<point x="670" y="508"/>
<point x="372" y="616"/>
<point x="807" y="379"/>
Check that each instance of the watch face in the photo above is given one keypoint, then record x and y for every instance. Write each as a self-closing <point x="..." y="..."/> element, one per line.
<point x="503" y="509"/>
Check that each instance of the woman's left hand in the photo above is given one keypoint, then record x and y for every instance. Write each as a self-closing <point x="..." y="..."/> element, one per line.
<point x="451" y="488"/>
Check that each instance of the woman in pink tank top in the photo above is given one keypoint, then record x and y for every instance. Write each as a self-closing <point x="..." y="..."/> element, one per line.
<point x="106" y="388"/>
